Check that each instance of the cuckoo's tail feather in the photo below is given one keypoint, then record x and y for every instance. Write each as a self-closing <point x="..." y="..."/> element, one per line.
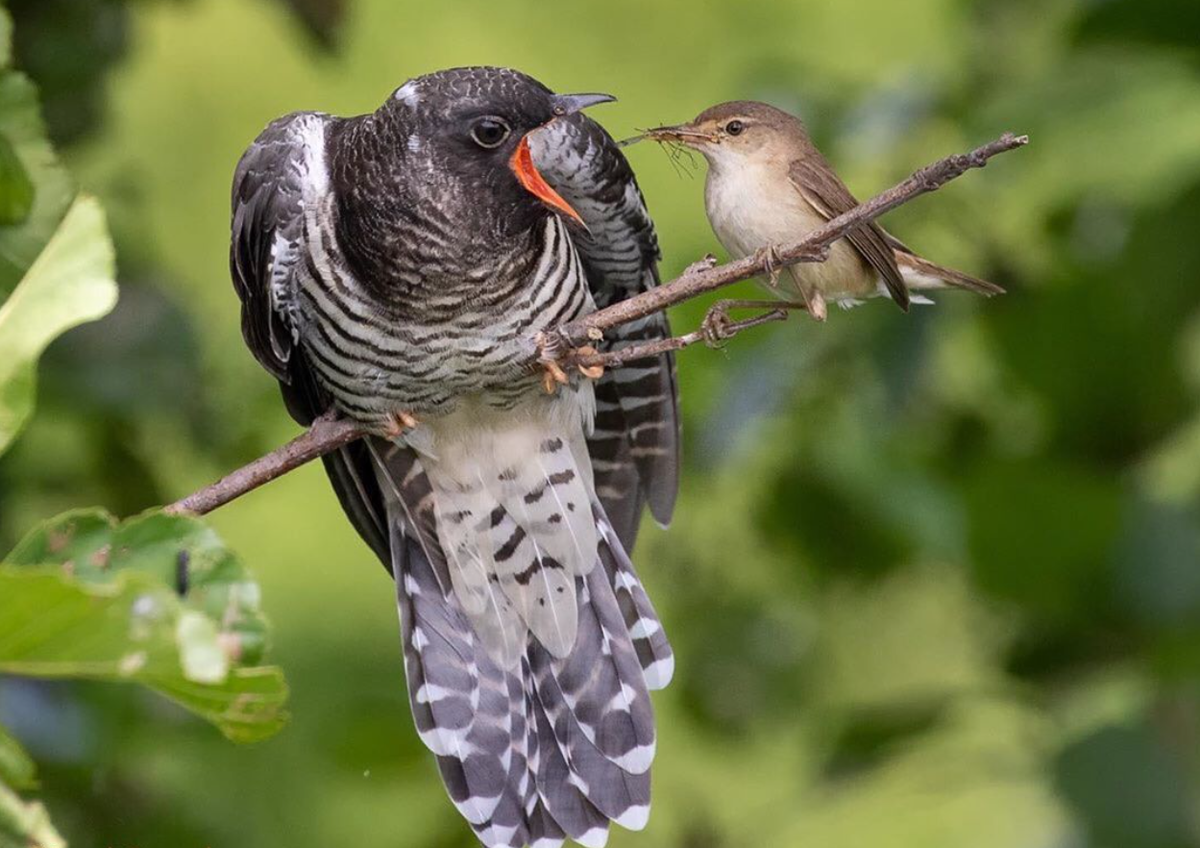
<point x="641" y="621"/>
<point x="549" y="742"/>
<point x="460" y="705"/>
<point x="513" y="513"/>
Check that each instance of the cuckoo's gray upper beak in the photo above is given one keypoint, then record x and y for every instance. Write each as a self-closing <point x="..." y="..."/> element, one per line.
<point x="569" y="104"/>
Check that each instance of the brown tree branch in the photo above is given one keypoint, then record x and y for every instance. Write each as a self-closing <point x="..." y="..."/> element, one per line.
<point x="560" y="347"/>
<point x="327" y="434"/>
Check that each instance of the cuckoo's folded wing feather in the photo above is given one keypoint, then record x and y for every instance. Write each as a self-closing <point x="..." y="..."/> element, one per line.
<point x="827" y="194"/>
<point x="267" y="251"/>
<point x="267" y="246"/>
<point x="635" y="446"/>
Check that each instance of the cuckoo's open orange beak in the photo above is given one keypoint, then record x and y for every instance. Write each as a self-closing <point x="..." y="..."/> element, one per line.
<point x="531" y="178"/>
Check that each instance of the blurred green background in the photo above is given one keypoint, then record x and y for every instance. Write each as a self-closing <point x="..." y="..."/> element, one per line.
<point x="934" y="579"/>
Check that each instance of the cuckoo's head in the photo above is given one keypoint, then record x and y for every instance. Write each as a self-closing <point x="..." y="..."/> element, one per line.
<point x="467" y="133"/>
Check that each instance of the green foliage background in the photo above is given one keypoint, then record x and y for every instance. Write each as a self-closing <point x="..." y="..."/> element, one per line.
<point x="934" y="579"/>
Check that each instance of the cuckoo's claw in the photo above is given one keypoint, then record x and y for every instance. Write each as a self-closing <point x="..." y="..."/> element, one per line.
<point x="399" y="422"/>
<point x="553" y="376"/>
<point x="592" y="372"/>
<point x="554" y="350"/>
<point x="551" y="347"/>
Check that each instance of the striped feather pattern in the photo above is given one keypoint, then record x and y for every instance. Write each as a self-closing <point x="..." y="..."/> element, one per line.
<point x="512" y="507"/>
<point x="641" y="621"/>
<point x="549" y="747"/>
<point x="267" y="230"/>
<point x="374" y="363"/>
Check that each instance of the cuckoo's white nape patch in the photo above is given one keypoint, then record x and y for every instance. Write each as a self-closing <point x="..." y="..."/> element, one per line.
<point x="408" y="94"/>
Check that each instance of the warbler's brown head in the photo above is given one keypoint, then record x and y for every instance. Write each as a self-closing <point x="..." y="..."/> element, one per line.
<point x="737" y="130"/>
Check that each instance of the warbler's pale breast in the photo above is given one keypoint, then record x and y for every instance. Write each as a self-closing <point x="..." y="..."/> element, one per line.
<point x="753" y="205"/>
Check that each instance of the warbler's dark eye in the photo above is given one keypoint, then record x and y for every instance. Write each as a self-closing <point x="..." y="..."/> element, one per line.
<point x="735" y="127"/>
<point x="489" y="132"/>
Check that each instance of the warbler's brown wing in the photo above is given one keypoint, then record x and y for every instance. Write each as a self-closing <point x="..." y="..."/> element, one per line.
<point x="268" y="249"/>
<point x="825" y="192"/>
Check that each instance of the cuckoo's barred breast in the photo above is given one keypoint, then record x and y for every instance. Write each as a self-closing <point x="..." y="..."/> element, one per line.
<point x="374" y="362"/>
<point x="399" y="262"/>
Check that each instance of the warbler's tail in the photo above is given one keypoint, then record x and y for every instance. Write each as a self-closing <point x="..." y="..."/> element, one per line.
<point x="921" y="274"/>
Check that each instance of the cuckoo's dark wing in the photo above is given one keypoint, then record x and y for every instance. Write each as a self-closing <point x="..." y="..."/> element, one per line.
<point x="267" y="238"/>
<point x="635" y="447"/>
<point x="267" y="253"/>
<point x="816" y="180"/>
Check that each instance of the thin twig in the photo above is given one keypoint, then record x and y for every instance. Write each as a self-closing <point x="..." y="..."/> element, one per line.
<point x="711" y="333"/>
<point x="327" y="434"/>
<point x="559" y="347"/>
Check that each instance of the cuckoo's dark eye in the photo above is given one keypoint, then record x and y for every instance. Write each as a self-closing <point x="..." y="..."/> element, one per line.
<point x="489" y="132"/>
<point x="735" y="127"/>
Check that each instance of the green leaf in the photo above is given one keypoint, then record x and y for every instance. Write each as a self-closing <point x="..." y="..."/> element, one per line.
<point x="25" y="825"/>
<point x="21" y="125"/>
<point x="16" y="189"/>
<point x="16" y="767"/>
<point x="158" y="600"/>
<point x="71" y="282"/>
<point x="180" y="551"/>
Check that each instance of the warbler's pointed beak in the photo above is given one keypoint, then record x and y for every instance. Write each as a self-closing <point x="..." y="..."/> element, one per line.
<point x="569" y="104"/>
<point x="531" y="178"/>
<point x="682" y="133"/>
